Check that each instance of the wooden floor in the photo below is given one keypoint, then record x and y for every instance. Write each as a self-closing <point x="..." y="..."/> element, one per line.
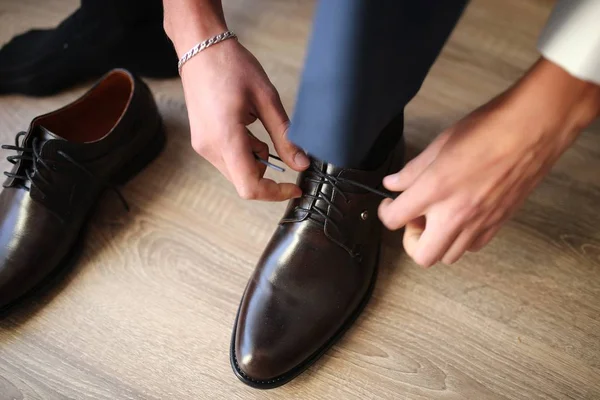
<point x="147" y="312"/>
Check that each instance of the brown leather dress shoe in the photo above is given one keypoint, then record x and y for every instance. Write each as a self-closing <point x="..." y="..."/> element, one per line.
<point x="313" y="279"/>
<point x="61" y="167"/>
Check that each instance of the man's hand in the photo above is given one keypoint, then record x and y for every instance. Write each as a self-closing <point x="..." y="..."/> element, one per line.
<point x="226" y="89"/>
<point x="476" y="174"/>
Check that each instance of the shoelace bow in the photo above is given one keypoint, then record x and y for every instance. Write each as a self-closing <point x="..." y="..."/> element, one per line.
<point x="32" y="154"/>
<point x="323" y="179"/>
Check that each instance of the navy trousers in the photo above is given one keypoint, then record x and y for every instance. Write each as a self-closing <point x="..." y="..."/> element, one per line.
<point x="366" y="60"/>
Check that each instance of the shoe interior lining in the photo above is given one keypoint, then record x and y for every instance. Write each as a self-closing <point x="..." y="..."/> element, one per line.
<point x="93" y="116"/>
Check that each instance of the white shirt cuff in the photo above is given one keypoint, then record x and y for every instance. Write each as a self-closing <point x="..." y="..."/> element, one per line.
<point x="571" y="38"/>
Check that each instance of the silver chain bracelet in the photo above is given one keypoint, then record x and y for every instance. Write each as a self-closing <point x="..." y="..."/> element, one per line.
<point x="203" y="46"/>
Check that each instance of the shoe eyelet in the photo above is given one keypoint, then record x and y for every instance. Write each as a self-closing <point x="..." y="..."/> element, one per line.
<point x="356" y="252"/>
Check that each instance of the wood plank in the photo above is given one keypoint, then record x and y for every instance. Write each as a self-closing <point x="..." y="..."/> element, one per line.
<point x="147" y="311"/>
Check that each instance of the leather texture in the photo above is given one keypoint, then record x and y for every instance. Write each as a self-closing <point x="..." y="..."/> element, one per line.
<point x="108" y="134"/>
<point x="313" y="277"/>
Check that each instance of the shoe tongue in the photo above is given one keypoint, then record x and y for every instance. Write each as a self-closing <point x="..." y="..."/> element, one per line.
<point x="332" y="169"/>
<point x="309" y="186"/>
<point x="44" y="134"/>
<point x="44" y="137"/>
<point x="365" y="177"/>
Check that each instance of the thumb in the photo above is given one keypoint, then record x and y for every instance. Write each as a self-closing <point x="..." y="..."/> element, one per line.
<point x="403" y="179"/>
<point x="275" y="120"/>
<point x="412" y="233"/>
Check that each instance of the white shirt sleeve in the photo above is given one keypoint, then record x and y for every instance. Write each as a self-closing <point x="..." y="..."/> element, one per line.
<point x="571" y="38"/>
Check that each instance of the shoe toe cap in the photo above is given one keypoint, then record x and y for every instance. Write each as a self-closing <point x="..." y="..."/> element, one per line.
<point x="263" y="349"/>
<point x="258" y="366"/>
<point x="295" y="305"/>
<point x="274" y="339"/>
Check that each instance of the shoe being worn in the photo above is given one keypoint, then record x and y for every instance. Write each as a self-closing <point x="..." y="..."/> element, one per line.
<point x="61" y="167"/>
<point x="43" y="62"/>
<point x="313" y="279"/>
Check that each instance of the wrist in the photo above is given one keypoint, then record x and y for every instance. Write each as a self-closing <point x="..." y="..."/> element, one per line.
<point x="188" y="22"/>
<point x="560" y="100"/>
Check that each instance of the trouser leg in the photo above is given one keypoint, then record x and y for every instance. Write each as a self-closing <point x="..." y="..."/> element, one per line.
<point x="124" y="12"/>
<point x="366" y="60"/>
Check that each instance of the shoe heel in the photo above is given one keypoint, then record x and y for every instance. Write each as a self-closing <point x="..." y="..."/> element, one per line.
<point x="143" y="158"/>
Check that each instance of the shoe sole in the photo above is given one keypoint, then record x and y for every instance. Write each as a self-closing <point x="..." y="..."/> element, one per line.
<point x="127" y="172"/>
<point x="297" y="370"/>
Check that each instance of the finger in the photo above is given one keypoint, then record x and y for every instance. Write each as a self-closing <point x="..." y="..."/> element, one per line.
<point x="261" y="149"/>
<point x="403" y="179"/>
<point x="409" y="205"/>
<point x="412" y="233"/>
<point x="208" y="152"/>
<point x="217" y="161"/>
<point x="246" y="175"/>
<point x="220" y="165"/>
<point x="435" y="240"/>
<point x="275" y="120"/>
<point x="484" y="238"/>
<point x="462" y="243"/>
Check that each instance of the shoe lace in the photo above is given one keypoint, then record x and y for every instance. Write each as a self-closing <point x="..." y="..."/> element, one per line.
<point x="323" y="179"/>
<point x="32" y="154"/>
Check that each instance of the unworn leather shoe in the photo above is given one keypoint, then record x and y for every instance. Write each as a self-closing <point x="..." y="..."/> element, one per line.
<point x="61" y="167"/>
<point x="314" y="278"/>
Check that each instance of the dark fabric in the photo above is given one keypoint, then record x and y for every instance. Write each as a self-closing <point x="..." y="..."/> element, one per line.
<point x="99" y="36"/>
<point x="124" y="11"/>
<point x="386" y="141"/>
<point x="366" y="60"/>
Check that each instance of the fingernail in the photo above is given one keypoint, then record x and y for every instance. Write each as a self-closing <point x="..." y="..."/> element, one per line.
<point x="385" y="204"/>
<point x="381" y="210"/>
<point x="301" y="159"/>
<point x="390" y="179"/>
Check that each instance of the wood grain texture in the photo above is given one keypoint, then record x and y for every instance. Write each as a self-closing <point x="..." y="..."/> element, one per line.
<point x="147" y="311"/>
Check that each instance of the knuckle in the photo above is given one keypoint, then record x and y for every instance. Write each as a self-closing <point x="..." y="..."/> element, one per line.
<point x="498" y="216"/>
<point x="385" y="218"/>
<point x="467" y="210"/>
<point x="411" y="166"/>
<point x="441" y="180"/>
<point x="270" y="94"/>
<point x="200" y="146"/>
<point x="438" y="177"/>
<point x="264" y="147"/>
<point x="449" y="259"/>
<point x="283" y="145"/>
<point x="477" y="246"/>
<point x="422" y="259"/>
<point x="247" y="192"/>
<point x="437" y="186"/>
